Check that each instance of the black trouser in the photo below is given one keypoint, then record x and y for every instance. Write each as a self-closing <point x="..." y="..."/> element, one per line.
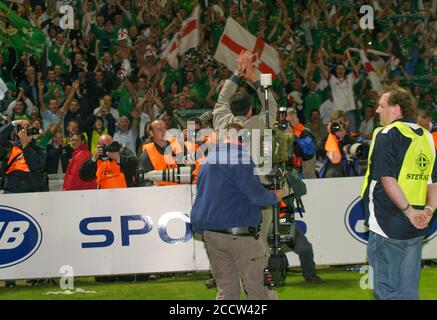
<point x="304" y="249"/>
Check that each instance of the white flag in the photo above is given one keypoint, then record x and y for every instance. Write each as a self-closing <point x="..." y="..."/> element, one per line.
<point x="3" y="89"/>
<point x="236" y="39"/>
<point x="374" y="79"/>
<point x="184" y="40"/>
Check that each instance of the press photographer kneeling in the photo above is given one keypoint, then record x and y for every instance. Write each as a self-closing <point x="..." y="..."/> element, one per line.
<point x="111" y="166"/>
<point x="22" y="160"/>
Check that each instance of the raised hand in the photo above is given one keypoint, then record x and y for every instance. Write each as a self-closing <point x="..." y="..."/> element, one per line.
<point x="40" y="85"/>
<point x="245" y="67"/>
<point x="249" y="69"/>
<point x="240" y="67"/>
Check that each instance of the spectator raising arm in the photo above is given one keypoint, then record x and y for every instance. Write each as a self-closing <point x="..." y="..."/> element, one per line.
<point x="355" y="67"/>
<point x="42" y="104"/>
<point x="70" y="97"/>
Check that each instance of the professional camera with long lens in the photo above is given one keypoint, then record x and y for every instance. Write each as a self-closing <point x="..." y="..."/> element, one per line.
<point x="358" y="150"/>
<point x="177" y="175"/>
<point x="31" y="131"/>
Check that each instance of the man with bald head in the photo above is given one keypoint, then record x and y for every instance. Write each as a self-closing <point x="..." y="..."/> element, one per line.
<point x="153" y="156"/>
<point x="113" y="168"/>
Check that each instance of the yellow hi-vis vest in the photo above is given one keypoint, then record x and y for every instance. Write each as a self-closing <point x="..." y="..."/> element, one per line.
<point x="417" y="166"/>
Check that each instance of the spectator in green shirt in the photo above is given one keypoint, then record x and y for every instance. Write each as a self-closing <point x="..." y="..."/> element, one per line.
<point x="312" y="100"/>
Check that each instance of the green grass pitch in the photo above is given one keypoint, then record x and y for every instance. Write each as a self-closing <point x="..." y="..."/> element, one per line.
<point x="340" y="285"/>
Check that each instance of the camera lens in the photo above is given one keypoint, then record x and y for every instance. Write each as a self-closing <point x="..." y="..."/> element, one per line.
<point x="283" y="125"/>
<point x="335" y="127"/>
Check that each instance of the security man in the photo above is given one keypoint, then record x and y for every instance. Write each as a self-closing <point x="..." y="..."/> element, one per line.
<point x="115" y="168"/>
<point x="399" y="196"/>
<point x="227" y="211"/>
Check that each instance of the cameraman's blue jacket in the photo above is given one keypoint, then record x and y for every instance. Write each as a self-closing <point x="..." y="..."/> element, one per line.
<point x="229" y="194"/>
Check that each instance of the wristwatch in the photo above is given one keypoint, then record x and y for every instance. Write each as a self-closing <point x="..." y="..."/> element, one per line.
<point x="430" y="208"/>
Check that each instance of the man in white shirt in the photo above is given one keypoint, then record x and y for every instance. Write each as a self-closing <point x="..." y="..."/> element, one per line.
<point x="326" y="109"/>
<point x="106" y="105"/>
<point x="125" y="136"/>
<point x="342" y="88"/>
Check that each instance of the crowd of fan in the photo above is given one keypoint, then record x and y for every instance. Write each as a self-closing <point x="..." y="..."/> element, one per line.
<point x="78" y="83"/>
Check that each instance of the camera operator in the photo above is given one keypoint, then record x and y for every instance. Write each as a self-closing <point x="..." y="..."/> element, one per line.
<point x="111" y="166"/>
<point x="235" y="107"/>
<point x="340" y="159"/>
<point x="227" y="212"/>
<point x="23" y="161"/>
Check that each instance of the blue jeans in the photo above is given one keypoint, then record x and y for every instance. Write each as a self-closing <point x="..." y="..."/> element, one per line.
<point x="396" y="267"/>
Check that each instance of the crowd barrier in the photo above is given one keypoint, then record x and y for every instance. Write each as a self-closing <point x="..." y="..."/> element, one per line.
<point x="147" y="230"/>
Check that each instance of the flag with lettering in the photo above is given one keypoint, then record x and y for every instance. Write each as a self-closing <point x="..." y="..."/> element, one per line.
<point x="19" y="33"/>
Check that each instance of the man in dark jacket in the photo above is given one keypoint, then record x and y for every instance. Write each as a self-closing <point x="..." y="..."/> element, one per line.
<point x="23" y="161"/>
<point x="227" y="211"/>
<point x="58" y="155"/>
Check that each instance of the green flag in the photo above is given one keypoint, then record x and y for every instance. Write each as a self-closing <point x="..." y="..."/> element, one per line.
<point x="19" y="33"/>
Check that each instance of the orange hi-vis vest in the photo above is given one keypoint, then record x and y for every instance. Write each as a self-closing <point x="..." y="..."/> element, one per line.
<point x="19" y="163"/>
<point x="297" y="130"/>
<point x="109" y="175"/>
<point x="159" y="161"/>
<point x="434" y="136"/>
<point x="333" y="149"/>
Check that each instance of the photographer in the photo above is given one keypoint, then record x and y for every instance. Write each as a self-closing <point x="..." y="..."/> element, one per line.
<point x="111" y="166"/>
<point x="22" y="160"/>
<point x="154" y="155"/>
<point x="342" y="149"/>
<point x="304" y="146"/>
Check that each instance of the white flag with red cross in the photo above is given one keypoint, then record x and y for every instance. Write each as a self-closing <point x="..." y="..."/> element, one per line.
<point x="236" y="39"/>
<point x="370" y="69"/>
<point x="183" y="40"/>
